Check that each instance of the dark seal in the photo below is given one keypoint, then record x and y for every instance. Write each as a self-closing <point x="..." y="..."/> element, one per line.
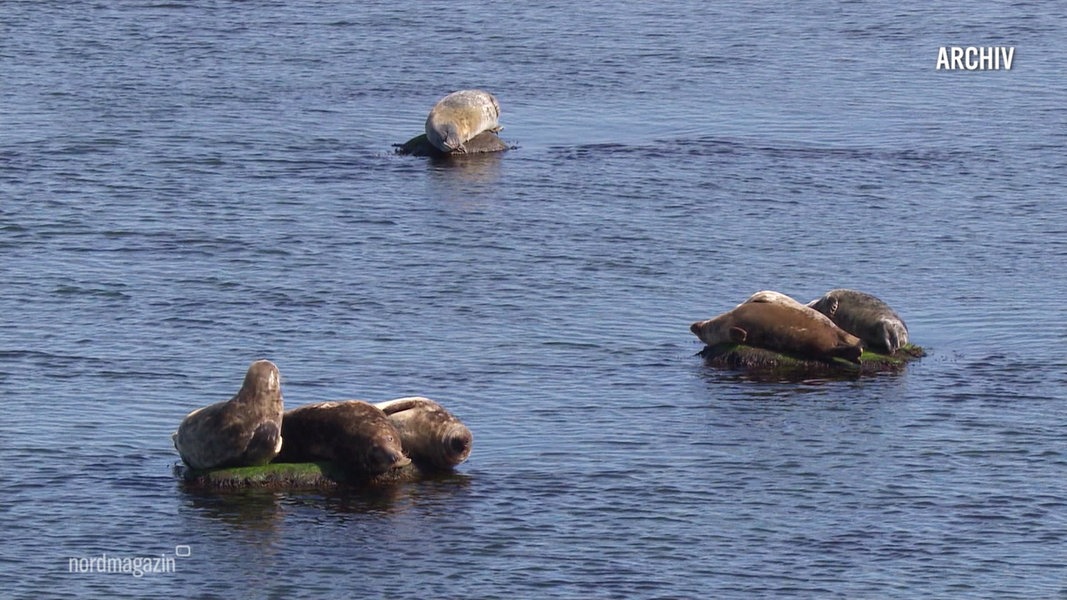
<point x="242" y="431"/>
<point x="354" y="434"/>
<point x="866" y="317"/>
<point x="431" y="435"/>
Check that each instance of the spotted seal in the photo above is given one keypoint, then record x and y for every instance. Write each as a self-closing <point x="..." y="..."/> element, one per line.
<point x="782" y="326"/>
<point x="352" y="433"/>
<point x="864" y="316"/>
<point x="461" y="116"/>
<point x="242" y="431"/>
<point x="430" y="434"/>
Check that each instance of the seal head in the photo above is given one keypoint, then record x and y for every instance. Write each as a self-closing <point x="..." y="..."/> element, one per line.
<point x="431" y="436"/>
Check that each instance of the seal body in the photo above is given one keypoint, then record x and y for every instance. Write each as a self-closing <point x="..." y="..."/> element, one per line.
<point x="771" y="296"/>
<point x="781" y="326"/>
<point x="354" y="434"/>
<point x="431" y="436"/>
<point x="459" y="117"/>
<point x="866" y="317"/>
<point x="242" y="431"/>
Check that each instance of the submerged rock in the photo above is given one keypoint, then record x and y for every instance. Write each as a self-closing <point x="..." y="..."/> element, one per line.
<point x="483" y="143"/>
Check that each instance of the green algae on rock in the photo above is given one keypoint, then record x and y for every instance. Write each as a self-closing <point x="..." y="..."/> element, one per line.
<point x="313" y="475"/>
<point x="777" y="365"/>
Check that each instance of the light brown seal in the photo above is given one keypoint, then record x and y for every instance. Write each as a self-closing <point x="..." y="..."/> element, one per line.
<point x="431" y="436"/>
<point x="354" y="434"/>
<point x="781" y="326"/>
<point x="242" y="431"/>
<point x="459" y="117"/>
<point x="864" y="316"/>
<point x="771" y="296"/>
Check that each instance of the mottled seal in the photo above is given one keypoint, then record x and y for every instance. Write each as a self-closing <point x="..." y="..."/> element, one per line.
<point x="354" y="434"/>
<point x="781" y="326"/>
<point x="430" y="434"/>
<point x="459" y="117"/>
<point x="866" y="317"/>
<point x="242" y="431"/>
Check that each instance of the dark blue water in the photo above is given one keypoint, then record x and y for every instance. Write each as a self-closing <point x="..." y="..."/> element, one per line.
<point x="186" y="187"/>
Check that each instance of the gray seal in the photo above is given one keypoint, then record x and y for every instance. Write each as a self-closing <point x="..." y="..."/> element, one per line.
<point x="431" y="436"/>
<point x="242" y="431"/>
<point x="866" y="317"/>
<point x="352" y="433"/>
<point x="459" y="117"/>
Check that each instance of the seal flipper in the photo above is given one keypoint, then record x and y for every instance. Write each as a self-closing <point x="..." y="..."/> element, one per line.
<point x="264" y="445"/>
<point x="849" y="353"/>
<point x="738" y="335"/>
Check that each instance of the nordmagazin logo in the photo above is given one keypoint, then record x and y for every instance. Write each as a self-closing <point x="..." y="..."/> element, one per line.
<point x="138" y="566"/>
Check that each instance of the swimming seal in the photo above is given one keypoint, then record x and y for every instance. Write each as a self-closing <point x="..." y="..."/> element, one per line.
<point x="782" y="326"/>
<point x="459" y="117"/>
<point x="864" y="316"/>
<point x="354" y="434"/>
<point x="430" y="435"/>
<point x="240" y="432"/>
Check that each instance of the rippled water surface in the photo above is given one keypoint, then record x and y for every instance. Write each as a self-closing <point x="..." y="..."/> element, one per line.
<point x="188" y="186"/>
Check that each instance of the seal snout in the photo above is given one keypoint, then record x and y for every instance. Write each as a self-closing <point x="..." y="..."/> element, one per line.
<point x="399" y="460"/>
<point x="458" y="443"/>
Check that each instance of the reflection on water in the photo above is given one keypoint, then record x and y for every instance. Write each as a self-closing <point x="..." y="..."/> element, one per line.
<point x="262" y="510"/>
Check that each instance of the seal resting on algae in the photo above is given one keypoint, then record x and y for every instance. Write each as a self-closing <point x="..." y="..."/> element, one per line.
<point x="430" y="435"/>
<point x="775" y="323"/>
<point x="354" y="434"/>
<point x="864" y="316"/>
<point x="459" y="117"/>
<point x="240" y="432"/>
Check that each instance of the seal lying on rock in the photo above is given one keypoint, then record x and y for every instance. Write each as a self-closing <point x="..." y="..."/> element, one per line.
<point x="782" y="326"/>
<point x="459" y="117"/>
<point x="354" y="434"/>
<point x="865" y="316"/>
<point x="772" y="296"/>
<point x="431" y="436"/>
<point x="242" y="431"/>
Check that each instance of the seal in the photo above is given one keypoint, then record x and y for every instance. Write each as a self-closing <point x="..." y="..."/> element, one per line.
<point x="352" y="433"/>
<point x="864" y="316"/>
<point x="771" y="296"/>
<point x="459" y="117"/>
<point x="782" y="326"/>
<point x="243" y="431"/>
<point x="430" y="435"/>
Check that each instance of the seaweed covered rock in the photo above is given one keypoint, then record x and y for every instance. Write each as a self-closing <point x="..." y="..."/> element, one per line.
<point x="768" y="364"/>
<point x="312" y="475"/>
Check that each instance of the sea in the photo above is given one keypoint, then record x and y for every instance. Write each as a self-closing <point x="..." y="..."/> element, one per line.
<point x="187" y="186"/>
